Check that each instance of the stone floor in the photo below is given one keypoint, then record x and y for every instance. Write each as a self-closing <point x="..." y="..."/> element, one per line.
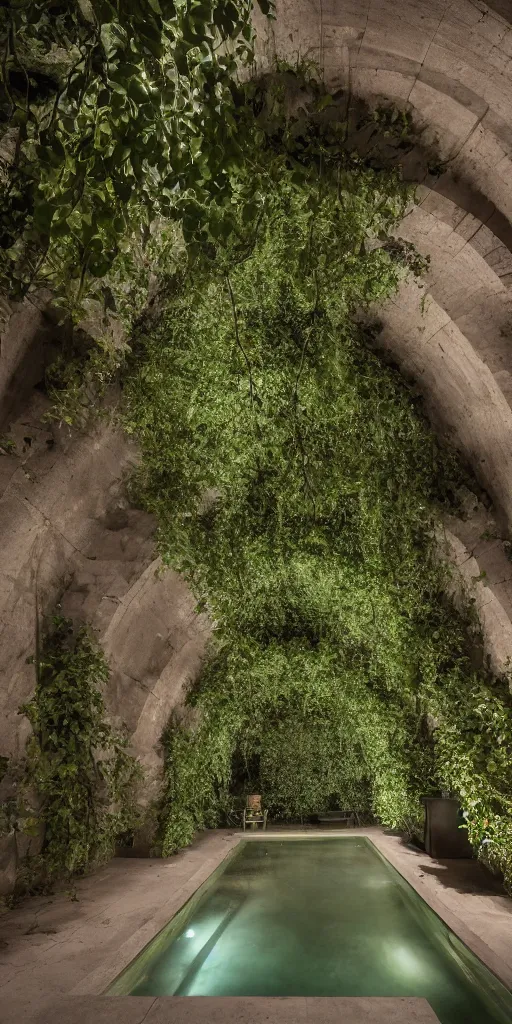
<point x="238" y="1010"/>
<point x="57" y="955"/>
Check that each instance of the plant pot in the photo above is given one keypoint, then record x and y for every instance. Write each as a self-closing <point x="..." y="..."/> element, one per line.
<point x="443" y="835"/>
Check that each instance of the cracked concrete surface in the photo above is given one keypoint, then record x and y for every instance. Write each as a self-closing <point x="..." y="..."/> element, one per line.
<point x="245" y="1010"/>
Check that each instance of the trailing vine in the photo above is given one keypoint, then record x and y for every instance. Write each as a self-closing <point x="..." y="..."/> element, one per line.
<point x="77" y="766"/>
<point x="114" y="115"/>
<point x="298" y="489"/>
<point x="295" y="483"/>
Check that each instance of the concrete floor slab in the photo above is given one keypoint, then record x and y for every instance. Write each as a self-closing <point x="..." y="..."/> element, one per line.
<point x="238" y="1010"/>
<point x="58" y="956"/>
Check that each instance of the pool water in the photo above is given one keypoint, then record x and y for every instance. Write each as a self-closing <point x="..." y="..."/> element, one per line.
<point x="315" y="917"/>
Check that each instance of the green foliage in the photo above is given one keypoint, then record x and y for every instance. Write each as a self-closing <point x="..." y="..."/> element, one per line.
<point x="115" y="116"/>
<point x="298" y="489"/>
<point x="81" y="377"/>
<point x="9" y="815"/>
<point x="16" y="812"/>
<point x="78" y="384"/>
<point x="474" y="756"/>
<point x="257" y="379"/>
<point x="295" y="484"/>
<point x="79" y="767"/>
<point x="7" y="445"/>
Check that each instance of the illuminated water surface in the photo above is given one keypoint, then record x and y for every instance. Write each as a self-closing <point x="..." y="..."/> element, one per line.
<point x="316" y="917"/>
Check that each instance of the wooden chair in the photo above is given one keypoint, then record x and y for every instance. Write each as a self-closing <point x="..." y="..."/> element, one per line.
<point x="253" y="820"/>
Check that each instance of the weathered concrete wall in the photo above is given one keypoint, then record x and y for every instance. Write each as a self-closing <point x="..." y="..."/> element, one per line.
<point x="68" y="534"/>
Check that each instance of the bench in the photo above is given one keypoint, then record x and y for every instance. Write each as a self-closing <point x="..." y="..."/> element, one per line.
<point x="336" y="817"/>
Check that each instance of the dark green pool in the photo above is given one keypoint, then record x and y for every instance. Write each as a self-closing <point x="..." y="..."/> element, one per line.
<point x="315" y="917"/>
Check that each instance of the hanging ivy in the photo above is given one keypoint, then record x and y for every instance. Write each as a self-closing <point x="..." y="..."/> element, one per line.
<point x="295" y="484"/>
<point x="114" y="115"/>
<point x="298" y="489"/>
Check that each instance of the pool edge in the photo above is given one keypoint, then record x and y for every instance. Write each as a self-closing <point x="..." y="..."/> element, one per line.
<point x="97" y="982"/>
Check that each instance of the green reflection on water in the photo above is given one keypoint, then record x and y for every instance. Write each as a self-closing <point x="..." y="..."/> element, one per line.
<point x="311" y="917"/>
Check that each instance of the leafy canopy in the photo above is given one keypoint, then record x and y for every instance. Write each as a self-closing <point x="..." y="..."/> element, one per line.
<point x="298" y="489"/>
<point x="294" y="483"/>
<point x="115" y="115"/>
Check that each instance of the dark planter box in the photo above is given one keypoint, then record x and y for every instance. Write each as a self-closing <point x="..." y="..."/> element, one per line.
<point x="443" y="837"/>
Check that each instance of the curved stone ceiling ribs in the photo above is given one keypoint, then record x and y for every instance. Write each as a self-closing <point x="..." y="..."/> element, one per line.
<point x="449" y="64"/>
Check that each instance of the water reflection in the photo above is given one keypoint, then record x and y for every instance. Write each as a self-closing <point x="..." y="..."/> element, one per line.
<point x="320" y="918"/>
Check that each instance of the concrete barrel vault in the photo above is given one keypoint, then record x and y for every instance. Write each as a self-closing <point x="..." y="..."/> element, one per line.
<point x="449" y="64"/>
<point x="66" y="530"/>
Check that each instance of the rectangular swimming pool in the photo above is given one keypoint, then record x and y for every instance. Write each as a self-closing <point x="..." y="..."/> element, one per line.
<point x="315" y="917"/>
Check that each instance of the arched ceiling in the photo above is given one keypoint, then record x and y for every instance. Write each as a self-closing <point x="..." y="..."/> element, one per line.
<point x="448" y="63"/>
<point x="64" y="524"/>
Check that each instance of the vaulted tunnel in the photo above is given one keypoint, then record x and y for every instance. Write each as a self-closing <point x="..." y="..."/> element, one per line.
<point x="68" y="532"/>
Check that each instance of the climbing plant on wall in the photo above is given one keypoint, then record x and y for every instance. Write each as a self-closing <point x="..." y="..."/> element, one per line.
<point x="114" y="115"/>
<point x="295" y="484"/>
<point x="298" y="489"/>
<point x="78" y="769"/>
